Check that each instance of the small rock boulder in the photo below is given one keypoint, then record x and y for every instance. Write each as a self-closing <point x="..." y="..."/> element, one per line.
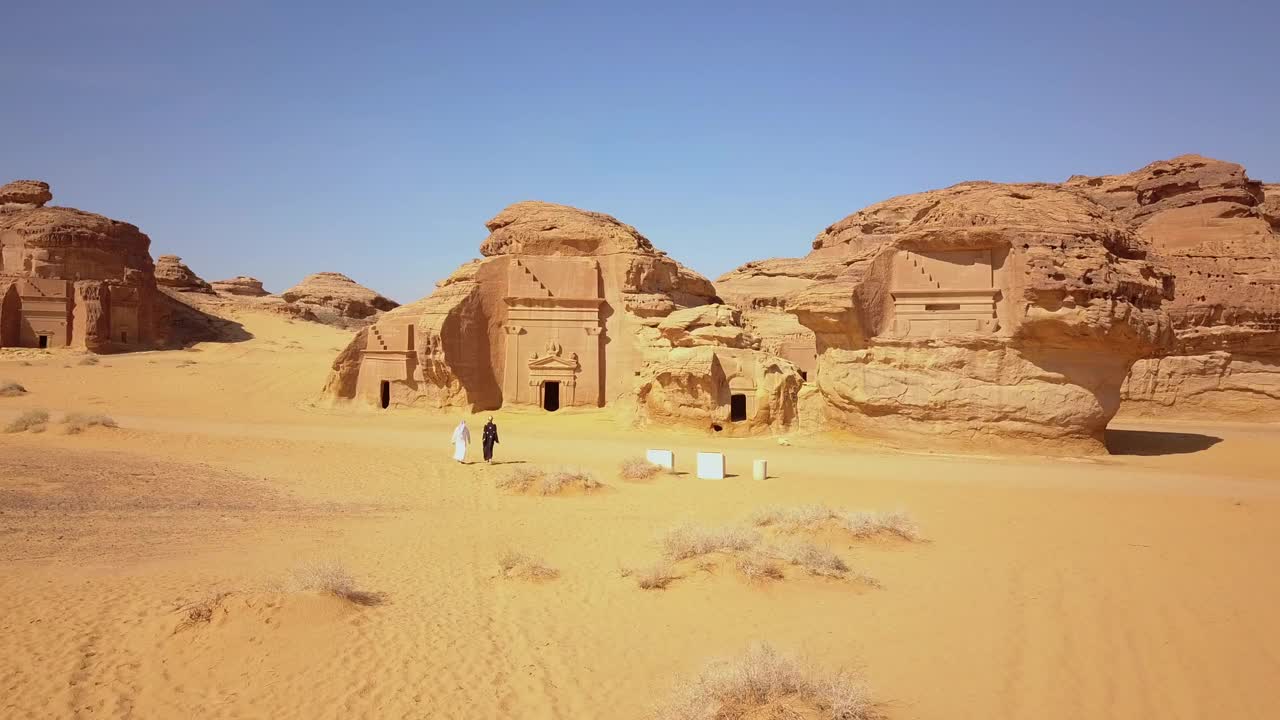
<point x="24" y="195"/>
<point x="241" y="285"/>
<point x="336" y="299"/>
<point x="172" y="273"/>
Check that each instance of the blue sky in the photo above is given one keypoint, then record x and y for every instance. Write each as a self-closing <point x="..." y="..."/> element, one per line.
<point x="279" y="139"/>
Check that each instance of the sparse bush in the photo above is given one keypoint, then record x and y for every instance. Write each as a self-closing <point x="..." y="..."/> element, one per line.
<point x="638" y="468"/>
<point x="655" y="577"/>
<point x="200" y="613"/>
<point x="79" y="422"/>
<point x="861" y="525"/>
<point x="817" y="560"/>
<point x="566" y="478"/>
<point x="689" y="541"/>
<point x="33" y="420"/>
<point x="762" y="683"/>
<point x="758" y="567"/>
<point x="9" y="388"/>
<point x="331" y="578"/>
<point x="521" y="478"/>
<point x="519" y="565"/>
<point x="90" y="360"/>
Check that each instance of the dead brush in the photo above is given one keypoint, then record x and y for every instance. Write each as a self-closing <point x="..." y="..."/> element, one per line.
<point x="565" y="478"/>
<point x="331" y="578"/>
<point x="861" y="525"/>
<point x="688" y="541"/>
<point x="654" y="577"/>
<point x="90" y="360"/>
<point x="200" y="613"/>
<point x="521" y="479"/>
<point x="518" y="565"/>
<point x="9" y="388"/>
<point x="29" y="421"/>
<point x="77" y="423"/>
<point x="762" y="683"/>
<point x="759" y="567"/>
<point x="639" y="468"/>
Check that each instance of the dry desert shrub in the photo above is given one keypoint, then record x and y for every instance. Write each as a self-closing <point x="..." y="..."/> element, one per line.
<point x="9" y="388"/>
<point x="861" y="525"/>
<point x="332" y="578"/>
<point x="30" y="420"/>
<point x="90" y="360"/>
<point x="655" y="577"/>
<point x="521" y="479"/>
<point x="817" y="560"/>
<point x="688" y="541"/>
<point x="565" y="478"/>
<point x="200" y="613"/>
<point x="79" y="422"/>
<point x="519" y="565"/>
<point x="765" y="684"/>
<point x="639" y="468"/>
<point x="759" y="567"/>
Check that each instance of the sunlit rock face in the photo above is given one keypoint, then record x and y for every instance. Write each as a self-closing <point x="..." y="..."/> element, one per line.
<point x="1001" y="313"/>
<point x="567" y="308"/>
<point x="1218" y="231"/>
<point x="70" y="278"/>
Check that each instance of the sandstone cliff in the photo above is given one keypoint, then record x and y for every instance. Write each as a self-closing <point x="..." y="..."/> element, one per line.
<point x="335" y="299"/>
<point x="172" y="273"/>
<point x="1217" y="230"/>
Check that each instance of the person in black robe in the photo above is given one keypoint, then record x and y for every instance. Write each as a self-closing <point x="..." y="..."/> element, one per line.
<point x="489" y="439"/>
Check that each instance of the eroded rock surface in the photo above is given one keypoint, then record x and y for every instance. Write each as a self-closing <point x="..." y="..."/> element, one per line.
<point x="1217" y="230"/>
<point x="567" y="308"/>
<point x="241" y="285"/>
<point x="336" y="299"/>
<point x="70" y="278"/>
<point x="1008" y="312"/>
<point x="172" y="273"/>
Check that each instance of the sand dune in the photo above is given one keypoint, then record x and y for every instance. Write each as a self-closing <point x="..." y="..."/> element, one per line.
<point x="1132" y="586"/>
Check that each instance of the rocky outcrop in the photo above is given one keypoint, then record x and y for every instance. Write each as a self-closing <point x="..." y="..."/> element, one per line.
<point x="241" y="285"/>
<point x="1216" y="230"/>
<point x="78" y="279"/>
<point x="172" y="273"/>
<point x="1010" y="313"/>
<point x="568" y="308"/>
<point x="24" y="195"/>
<point x="335" y="299"/>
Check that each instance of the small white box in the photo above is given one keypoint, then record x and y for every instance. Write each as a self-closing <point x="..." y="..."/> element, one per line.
<point x="759" y="470"/>
<point x="662" y="458"/>
<point x="710" y="466"/>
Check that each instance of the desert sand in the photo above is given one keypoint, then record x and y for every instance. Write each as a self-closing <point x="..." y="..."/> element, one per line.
<point x="1135" y="585"/>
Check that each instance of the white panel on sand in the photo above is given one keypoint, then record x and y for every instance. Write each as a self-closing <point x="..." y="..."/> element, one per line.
<point x="710" y="466"/>
<point x="663" y="458"/>
<point x="759" y="470"/>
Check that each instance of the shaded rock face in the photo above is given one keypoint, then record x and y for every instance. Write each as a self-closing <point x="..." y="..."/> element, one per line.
<point x="241" y="285"/>
<point x="1010" y="312"/>
<point x="172" y="273"/>
<point x="70" y="278"/>
<point x="335" y="299"/>
<point x="568" y="308"/>
<point x="1217" y="231"/>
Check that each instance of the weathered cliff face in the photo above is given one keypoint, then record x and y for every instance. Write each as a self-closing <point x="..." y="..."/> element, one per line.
<point x="565" y="298"/>
<point x="1008" y="312"/>
<point x="83" y="280"/>
<point x="335" y="299"/>
<point x="172" y="273"/>
<point x="1216" y="230"/>
<point x="241" y="285"/>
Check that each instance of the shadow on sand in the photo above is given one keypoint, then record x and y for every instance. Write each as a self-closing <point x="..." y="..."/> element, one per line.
<point x="1150" y="442"/>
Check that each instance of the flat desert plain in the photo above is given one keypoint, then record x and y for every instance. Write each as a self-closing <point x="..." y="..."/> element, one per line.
<point x="168" y="568"/>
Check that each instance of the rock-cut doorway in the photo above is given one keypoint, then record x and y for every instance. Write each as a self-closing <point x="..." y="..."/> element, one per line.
<point x="551" y="396"/>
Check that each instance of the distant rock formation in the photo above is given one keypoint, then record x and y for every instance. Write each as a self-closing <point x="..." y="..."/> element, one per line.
<point x="1219" y="232"/>
<point x="241" y="285"/>
<point x="1006" y="312"/>
<point x="173" y="274"/>
<point x="335" y="299"/>
<point x="70" y="278"/>
<point x="569" y="308"/>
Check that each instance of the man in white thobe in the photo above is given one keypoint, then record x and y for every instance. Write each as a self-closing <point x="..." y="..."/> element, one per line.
<point x="461" y="439"/>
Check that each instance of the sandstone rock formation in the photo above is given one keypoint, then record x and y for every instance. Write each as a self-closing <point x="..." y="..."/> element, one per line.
<point x="240" y="285"/>
<point x="569" y="308"/>
<point x="70" y="278"/>
<point x="1219" y="232"/>
<point x="1009" y="312"/>
<point x="172" y="273"/>
<point x="336" y="299"/>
